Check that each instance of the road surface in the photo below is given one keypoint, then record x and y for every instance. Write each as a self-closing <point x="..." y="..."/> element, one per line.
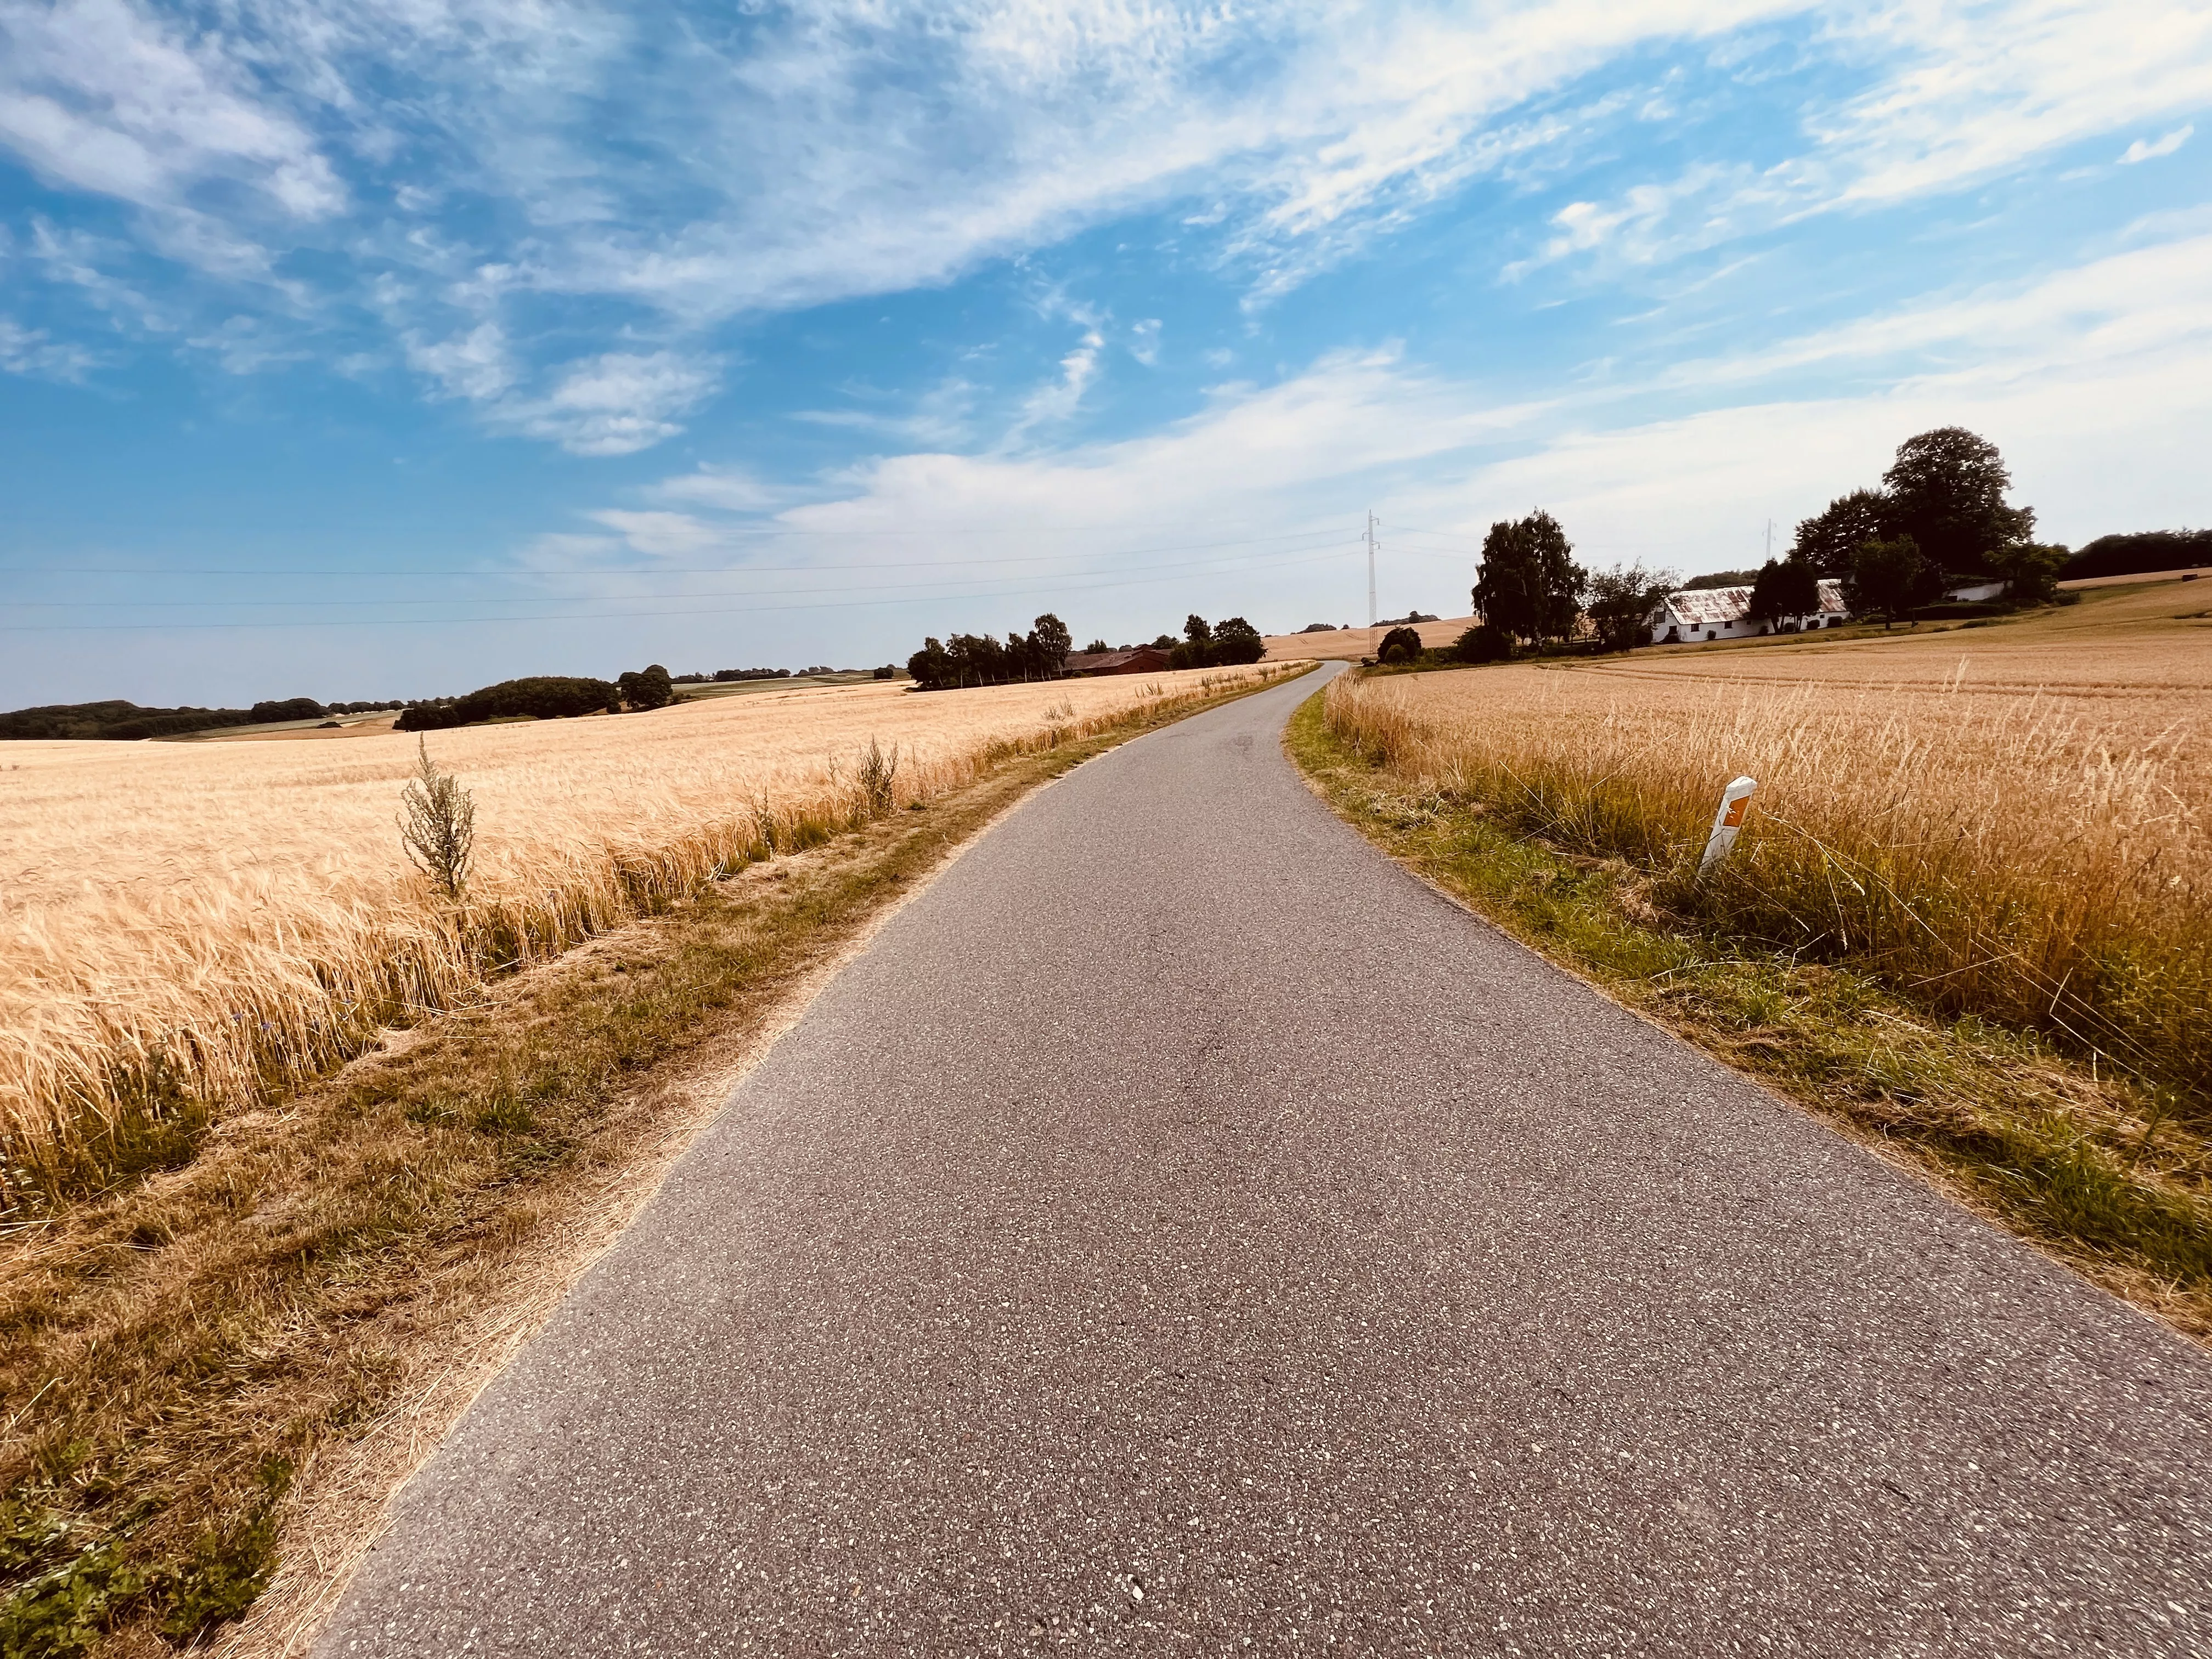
<point x="1181" y="1231"/>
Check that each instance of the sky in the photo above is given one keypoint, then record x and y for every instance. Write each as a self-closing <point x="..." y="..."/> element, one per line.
<point x="387" y="347"/>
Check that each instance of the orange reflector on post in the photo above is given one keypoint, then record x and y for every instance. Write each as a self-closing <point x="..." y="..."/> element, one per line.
<point x="1726" y="821"/>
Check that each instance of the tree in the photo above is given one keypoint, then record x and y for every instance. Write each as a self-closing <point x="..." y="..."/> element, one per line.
<point x="1621" y="601"/>
<point x="1947" y="492"/>
<point x="1237" y="640"/>
<point x="1052" y="642"/>
<point x="1165" y="642"/>
<point x="1529" y="585"/>
<point x="1401" y="645"/>
<point x="1195" y="648"/>
<point x="649" y="688"/>
<point x="1784" y="588"/>
<point x="1096" y="647"/>
<point x="1484" y="643"/>
<point x="2030" y="571"/>
<point x="437" y="824"/>
<point x="1830" y="539"/>
<point x="930" y="667"/>
<point x="1888" y="578"/>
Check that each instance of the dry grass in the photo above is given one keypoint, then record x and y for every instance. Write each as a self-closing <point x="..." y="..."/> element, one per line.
<point x="182" y="927"/>
<point x="2008" y="822"/>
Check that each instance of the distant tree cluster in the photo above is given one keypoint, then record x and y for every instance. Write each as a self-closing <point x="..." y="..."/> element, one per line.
<point x="982" y="659"/>
<point x="1206" y="645"/>
<point x="545" y="697"/>
<point x="2139" y="554"/>
<point x="538" y="696"/>
<point x="649" y="688"/>
<point x="118" y="721"/>
<point x="1938" y="518"/>
<point x="1713" y="579"/>
<point x="726" y="676"/>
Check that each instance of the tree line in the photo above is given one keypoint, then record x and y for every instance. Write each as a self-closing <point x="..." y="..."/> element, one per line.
<point x="118" y="721"/>
<point x="545" y="697"/>
<point x="1043" y="652"/>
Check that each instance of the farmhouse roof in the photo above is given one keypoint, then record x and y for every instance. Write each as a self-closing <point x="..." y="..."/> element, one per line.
<point x="1710" y="607"/>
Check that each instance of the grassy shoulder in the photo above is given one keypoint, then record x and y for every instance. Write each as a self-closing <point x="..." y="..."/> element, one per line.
<point x="2085" y="1165"/>
<point x="214" y="1373"/>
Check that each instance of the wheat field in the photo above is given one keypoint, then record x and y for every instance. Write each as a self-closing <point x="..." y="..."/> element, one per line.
<point x="202" y="920"/>
<point x="2011" y="823"/>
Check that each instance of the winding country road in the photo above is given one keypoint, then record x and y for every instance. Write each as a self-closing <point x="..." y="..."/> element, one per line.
<point x="1181" y="1232"/>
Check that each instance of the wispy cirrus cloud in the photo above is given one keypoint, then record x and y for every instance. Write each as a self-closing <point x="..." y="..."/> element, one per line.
<point x="2144" y="149"/>
<point x="442" y="168"/>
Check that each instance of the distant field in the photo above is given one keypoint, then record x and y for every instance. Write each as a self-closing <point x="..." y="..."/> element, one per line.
<point x="2186" y="573"/>
<point x="2012" y="820"/>
<point x="204" y="917"/>
<point x="1351" y="644"/>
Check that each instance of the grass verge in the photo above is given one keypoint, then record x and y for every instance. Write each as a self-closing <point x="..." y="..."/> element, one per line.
<point x="212" y="1375"/>
<point x="2084" y="1163"/>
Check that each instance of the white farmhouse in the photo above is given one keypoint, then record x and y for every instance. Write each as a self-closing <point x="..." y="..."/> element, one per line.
<point x="1724" y="613"/>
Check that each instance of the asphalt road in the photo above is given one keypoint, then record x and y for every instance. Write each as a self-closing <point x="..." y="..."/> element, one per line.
<point x="1183" y="1232"/>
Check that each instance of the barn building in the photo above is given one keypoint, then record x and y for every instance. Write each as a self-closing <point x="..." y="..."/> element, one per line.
<point x="1145" y="659"/>
<point x="1724" y="613"/>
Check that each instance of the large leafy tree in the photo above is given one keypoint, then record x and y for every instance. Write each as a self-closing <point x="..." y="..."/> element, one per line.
<point x="1236" y="641"/>
<point x="1050" y="644"/>
<point x="1889" y="579"/>
<point x="1620" y="602"/>
<point x="1399" y="645"/>
<point x="1529" y="585"/>
<point x="1947" y="490"/>
<point x="1784" y="588"/>
<point x="1829" y="540"/>
<point x="649" y="688"/>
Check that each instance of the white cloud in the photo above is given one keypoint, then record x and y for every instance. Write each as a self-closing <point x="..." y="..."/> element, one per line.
<point x="2142" y="150"/>
<point x="664" y="535"/>
<point x="1145" y="341"/>
<point x="99" y="95"/>
<point x="32" y="351"/>
<point x="475" y="364"/>
<point x="1958" y="93"/>
<point x="2096" y="381"/>
<point x="855" y="147"/>
<point x="615" y="404"/>
<point x="618" y="403"/>
<point x="729" y="488"/>
<point x="873" y="145"/>
<point x="1056" y="401"/>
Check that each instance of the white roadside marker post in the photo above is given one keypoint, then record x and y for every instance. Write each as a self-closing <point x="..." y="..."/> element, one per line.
<point x="1726" y="821"/>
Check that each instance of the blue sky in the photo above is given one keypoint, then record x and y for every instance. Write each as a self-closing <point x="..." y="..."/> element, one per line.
<point x="356" y="350"/>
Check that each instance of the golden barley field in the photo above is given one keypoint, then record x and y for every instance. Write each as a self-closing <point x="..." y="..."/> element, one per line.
<point x="198" y="920"/>
<point x="2012" y="821"/>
